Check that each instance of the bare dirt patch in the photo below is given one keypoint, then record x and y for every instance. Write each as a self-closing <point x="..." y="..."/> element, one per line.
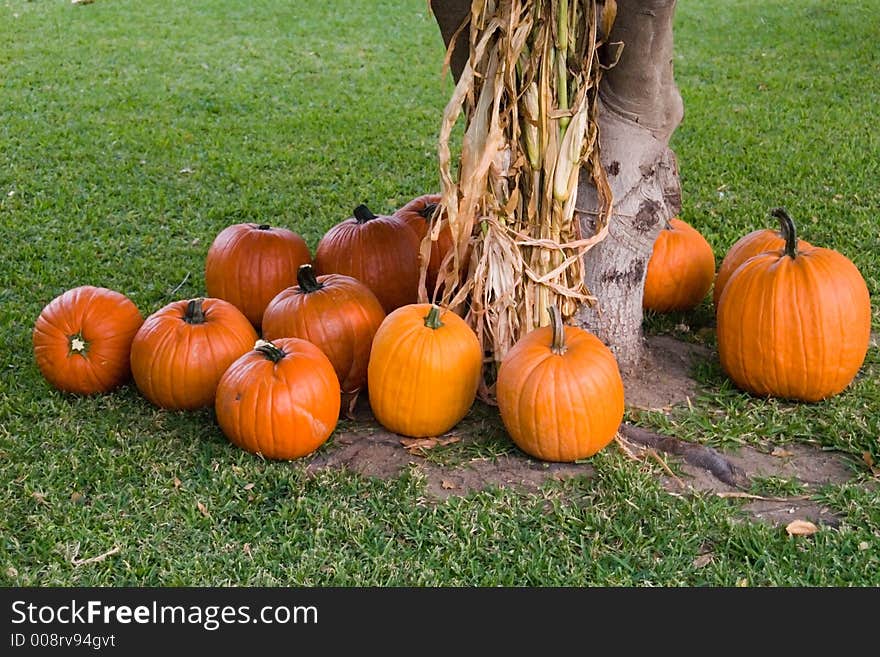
<point x="460" y="462"/>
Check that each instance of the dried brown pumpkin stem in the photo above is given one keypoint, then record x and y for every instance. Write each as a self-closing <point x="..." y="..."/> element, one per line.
<point x="269" y="350"/>
<point x="363" y="214"/>
<point x="306" y="279"/>
<point x="558" y="344"/>
<point x="194" y="314"/>
<point x="788" y="231"/>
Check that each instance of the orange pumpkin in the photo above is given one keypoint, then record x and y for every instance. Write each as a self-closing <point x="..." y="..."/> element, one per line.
<point x="337" y="313"/>
<point x="82" y="339"/>
<point x="380" y="251"/>
<point x="680" y="271"/>
<point x="280" y="400"/>
<point x="560" y="393"/>
<point x="417" y="214"/>
<point x="793" y="323"/>
<point x="248" y="264"/>
<point x="182" y="350"/>
<point x="424" y="370"/>
<point x="758" y="241"/>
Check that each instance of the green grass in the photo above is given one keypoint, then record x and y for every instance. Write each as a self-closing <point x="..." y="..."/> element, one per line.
<point x="132" y="133"/>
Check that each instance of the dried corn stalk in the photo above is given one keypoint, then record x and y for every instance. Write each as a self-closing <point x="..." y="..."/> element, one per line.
<point x="528" y="95"/>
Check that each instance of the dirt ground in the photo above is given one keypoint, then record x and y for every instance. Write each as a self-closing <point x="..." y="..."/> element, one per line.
<point x="364" y="447"/>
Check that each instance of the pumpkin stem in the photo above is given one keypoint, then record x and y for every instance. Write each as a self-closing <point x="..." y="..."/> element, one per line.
<point x="432" y="319"/>
<point x="363" y="214"/>
<point x="558" y="344"/>
<point x="269" y="350"/>
<point x="305" y="277"/>
<point x="194" y="313"/>
<point x="77" y="345"/>
<point x="428" y="211"/>
<point x="788" y="231"/>
<point x="264" y="227"/>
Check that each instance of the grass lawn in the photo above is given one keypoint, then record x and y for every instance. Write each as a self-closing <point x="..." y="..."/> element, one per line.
<point x="132" y="132"/>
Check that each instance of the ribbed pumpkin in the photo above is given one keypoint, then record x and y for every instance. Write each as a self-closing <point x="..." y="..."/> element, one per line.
<point x="560" y="393"/>
<point x="758" y="241"/>
<point x="794" y="324"/>
<point x="417" y="214"/>
<point x="337" y="313"/>
<point x="182" y="350"/>
<point x="380" y="251"/>
<point x="280" y="399"/>
<point x="248" y="264"/>
<point x="82" y="339"/>
<point x="424" y="370"/>
<point x="680" y="271"/>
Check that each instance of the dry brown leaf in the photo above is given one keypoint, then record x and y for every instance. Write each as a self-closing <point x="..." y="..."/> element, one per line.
<point x="40" y="497"/>
<point x="448" y="485"/>
<point x="177" y="483"/>
<point x="76" y="497"/>
<point x="801" y="528"/>
<point x="203" y="509"/>
<point x="702" y="560"/>
<point x="448" y="441"/>
<point x="248" y="486"/>
<point x="246" y="548"/>
<point x="869" y="461"/>
<point x="781" y="452"/>
<point x="418" y="443"/>
<point x="863" y="546"/>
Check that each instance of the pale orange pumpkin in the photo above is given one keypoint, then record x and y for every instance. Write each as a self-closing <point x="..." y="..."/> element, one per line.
<point x="560" y="393"/>
<point x="424" y="370"/>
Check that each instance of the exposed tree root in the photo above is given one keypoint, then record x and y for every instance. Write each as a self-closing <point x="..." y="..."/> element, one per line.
<point x="699" y="456"/>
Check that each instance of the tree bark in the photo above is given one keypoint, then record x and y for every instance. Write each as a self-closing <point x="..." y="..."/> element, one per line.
<point x="640" y="107"/>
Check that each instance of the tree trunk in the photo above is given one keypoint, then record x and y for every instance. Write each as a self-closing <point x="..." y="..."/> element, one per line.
<point x="640" y="107"/>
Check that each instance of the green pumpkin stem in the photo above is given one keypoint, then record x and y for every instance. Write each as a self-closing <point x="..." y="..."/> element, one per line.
<point x="194" y="313"/>
<point x="305" y="277"/>
<point x="269" y="350"/>
<point x="363" y="214"/>
<point x="557" y="346"/>
<point x="428" y="211"/>
<point x="788" y="231"/>
<point x="432" y="319"/>
<point x="76" y="345"/>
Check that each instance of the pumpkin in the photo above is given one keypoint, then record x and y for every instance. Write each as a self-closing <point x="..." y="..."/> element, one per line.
<point x="248" y="264"/>
<point x="794" y="323"/>
<point x="424" y="370"/>
<point x="560" y="393"/>
<point x="417" y="214"/>
<point x="82" y="339"/>
<point x="380" y="251"/>
<point x="281" y="399"/>
<point x="181" y="351"/>
<point x="337" y="313"/>
<point x="680" y="271"/>
<point x="755" y="242"/>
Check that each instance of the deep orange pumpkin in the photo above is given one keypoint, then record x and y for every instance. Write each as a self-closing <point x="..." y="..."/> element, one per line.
<point x="758" y="241"/>
<point x="281" y="399"/>
<point x="417" y="214"/>
<point x="82" y="339"/>
<point x="337" y="313"/>
<point x="380" y="251"/>
<point x="424" y="370"/>
<point x="248" y="264"/>
<point x="182" y="350"/>
<point x="560" y="393"/>
<point x="792" y="323"/>
<point x="680" y="271"/>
